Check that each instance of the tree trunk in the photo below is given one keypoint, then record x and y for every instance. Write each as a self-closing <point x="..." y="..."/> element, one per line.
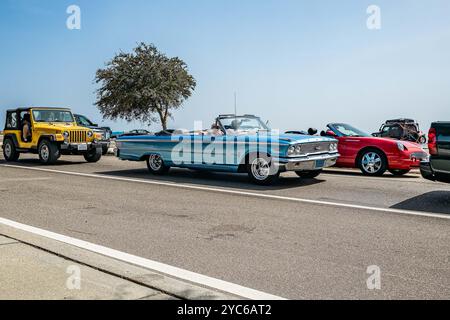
<point x="163" y="119"/>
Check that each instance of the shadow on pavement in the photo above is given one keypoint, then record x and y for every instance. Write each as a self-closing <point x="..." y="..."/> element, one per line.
<point x="433" y="202"/>
<point x="359" y="173"/>
<point x="178" y="175"/>
<point x="212" y="179"/>
<point x="37" y="163"/>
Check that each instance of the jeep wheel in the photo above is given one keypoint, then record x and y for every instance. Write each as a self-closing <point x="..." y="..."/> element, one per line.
<point x="9" y="151"/>
<point x="155" y="165"/>
<point x="259" y="170"/>
<point x="48" y="152"/>
<point x="104" y="150"/>
<point x="308" y="174"/>
<point x="93" y="155"/>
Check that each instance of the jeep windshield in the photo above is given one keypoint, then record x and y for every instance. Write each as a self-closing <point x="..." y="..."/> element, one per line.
<point x="52" y="116"/>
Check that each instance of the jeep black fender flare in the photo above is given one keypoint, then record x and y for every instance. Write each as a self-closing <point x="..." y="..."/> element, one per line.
<point x="13" y="137"/>
<point x="50" y="137"/>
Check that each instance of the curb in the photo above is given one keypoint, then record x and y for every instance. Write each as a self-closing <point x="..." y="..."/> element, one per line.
<point x="178" y="289"/>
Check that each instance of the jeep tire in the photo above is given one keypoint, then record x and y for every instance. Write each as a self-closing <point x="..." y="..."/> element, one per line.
<point x="9" y="150"/>
<point x="93" y="155"/>
<point x="48" y="152"/>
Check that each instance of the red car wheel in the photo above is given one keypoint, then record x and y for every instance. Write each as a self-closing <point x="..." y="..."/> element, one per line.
<point x="372" y="162"/>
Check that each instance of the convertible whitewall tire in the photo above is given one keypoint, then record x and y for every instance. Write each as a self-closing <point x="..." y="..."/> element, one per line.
<point x="155" y="165"/>
<point x="260" y="170"/>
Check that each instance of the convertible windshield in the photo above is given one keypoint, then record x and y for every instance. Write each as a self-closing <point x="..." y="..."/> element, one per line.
<point x="346" y="130"/>
<point x="84" y="121"/>
<point x="52" y="116"/>
<point x="243" y="124"/>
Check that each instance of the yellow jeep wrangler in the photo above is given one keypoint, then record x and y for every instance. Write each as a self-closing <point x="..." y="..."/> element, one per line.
<point x="49" y="132"/>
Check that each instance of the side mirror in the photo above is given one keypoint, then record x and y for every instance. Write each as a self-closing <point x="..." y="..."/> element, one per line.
<point x="330" y="133"/>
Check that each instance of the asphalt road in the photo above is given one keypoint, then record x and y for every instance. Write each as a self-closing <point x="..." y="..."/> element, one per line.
<point x="283" y="247"/>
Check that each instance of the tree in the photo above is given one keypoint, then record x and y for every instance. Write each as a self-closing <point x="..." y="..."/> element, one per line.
<point x="143" y="85"/>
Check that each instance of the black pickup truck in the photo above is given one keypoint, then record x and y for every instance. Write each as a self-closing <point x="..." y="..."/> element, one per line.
<point x="438" y="166"/>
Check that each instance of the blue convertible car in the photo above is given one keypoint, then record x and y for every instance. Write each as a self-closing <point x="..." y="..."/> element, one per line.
<point x="234" y="144"/>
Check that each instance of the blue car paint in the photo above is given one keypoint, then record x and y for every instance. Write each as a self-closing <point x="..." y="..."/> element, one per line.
<point x="138" y="148"/>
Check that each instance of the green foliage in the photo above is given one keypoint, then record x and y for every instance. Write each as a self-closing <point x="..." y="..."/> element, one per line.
<point x="144" y="85"/>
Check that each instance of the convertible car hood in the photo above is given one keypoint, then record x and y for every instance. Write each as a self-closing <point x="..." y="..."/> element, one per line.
<point x="298" y="138"/>
<point x="408" y="144"/>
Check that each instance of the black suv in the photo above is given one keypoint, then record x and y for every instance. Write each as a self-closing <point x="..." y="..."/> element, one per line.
<point x="106" y="132"/>
<point x="438" y="167"/>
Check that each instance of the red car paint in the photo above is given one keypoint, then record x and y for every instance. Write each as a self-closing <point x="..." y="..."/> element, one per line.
<point x="352" y="146"/>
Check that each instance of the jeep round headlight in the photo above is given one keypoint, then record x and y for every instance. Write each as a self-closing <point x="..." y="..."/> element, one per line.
<point x="90" y="134"/>
<point x="66" y="134"/>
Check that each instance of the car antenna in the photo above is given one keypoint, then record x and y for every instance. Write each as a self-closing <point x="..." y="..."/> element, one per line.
<point x="235" y="104"/>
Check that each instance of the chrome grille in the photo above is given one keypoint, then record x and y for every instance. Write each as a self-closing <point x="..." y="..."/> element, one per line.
<point x="78" y="136"/>
<point x="419" y="155"/>
<point x="315" y="147"/>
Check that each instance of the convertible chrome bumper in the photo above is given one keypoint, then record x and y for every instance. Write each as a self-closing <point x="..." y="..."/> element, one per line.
<point x="308" y="163"/>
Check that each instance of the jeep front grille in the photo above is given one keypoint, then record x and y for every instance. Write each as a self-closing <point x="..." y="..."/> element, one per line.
<point x="78" y="136"/>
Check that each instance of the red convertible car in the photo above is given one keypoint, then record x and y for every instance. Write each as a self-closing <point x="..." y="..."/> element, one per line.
<point x="374" y="155"/>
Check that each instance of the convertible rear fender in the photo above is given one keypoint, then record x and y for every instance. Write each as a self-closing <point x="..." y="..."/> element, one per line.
<point x="146" y="155"/>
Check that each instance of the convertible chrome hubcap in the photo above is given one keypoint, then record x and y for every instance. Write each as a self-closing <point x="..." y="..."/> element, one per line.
<point x="260" y="168"/>
<point x="155" y="162"/>
<point x="371" y="162"/>
<point x="45" y="152"/>
<point x="8" y="150"/>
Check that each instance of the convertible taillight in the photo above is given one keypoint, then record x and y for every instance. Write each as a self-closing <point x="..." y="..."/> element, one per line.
<point x="432" y="143"/>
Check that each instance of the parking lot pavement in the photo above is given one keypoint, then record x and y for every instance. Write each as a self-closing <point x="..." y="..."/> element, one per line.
<point x="221" y="226"/>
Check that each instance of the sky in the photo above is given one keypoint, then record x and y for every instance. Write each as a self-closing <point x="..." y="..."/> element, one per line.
<point x="296" y="63"/>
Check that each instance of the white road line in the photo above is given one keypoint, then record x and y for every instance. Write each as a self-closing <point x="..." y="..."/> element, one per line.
<point x="182" y="274"/>
<point x="241" y="193"/>
<point x="24" y="179"/>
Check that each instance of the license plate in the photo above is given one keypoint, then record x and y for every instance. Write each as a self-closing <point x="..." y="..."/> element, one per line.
<point x="320" y="163"/>
<point x="82" y="147"/>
